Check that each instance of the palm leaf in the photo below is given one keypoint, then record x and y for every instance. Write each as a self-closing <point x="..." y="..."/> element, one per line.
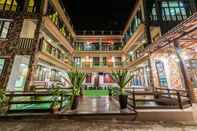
<point x="122" y="78"/>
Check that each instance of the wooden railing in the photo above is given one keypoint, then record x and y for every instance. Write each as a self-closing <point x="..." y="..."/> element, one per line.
<point x="24" y="43"/>
<point x="42" y="89"/>
<point x="159" y="99"/>
<point x="29" y="98"/>
<point x="182" y="96"/>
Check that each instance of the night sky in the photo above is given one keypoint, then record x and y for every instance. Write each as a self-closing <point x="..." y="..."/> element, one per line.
<point x="99" y="14"/>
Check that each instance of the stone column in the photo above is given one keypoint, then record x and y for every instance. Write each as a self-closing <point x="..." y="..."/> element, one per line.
<point x="33" y="59"/>
<point x="147" y="22"/>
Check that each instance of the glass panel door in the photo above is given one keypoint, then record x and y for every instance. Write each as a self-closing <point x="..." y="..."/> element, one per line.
<point x="18" y="74"/>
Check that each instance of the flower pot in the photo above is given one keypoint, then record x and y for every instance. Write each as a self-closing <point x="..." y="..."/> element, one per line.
<point x="55" y="109"/>
<point x="123" y="101"/>
<point x="75" y="102"/>
<point x="4" y="109"/>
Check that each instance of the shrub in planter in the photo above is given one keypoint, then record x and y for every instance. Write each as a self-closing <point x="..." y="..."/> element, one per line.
<point x="56" y="97"/>
<point x="3" y="102"/>
<point x="122" y="78"/>
<point x="110" y="90"/>
<point x="76" y="80"/>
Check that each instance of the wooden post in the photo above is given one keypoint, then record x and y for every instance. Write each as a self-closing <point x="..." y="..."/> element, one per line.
<point x="9" y="101"/>
<point x="134" y="103"/>
<point x="183" y="71"/>
<point x="168" y="90"/>
<point x="33" y="59"/>
<point x="62" y="98"/>
<point x="179" y="100"/>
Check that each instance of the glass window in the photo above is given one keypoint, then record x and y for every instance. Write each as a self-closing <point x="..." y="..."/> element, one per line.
<point x="96" y="61"/>
<point x="173" y="3"/>
<point x="183" y="11"/>
<point x="104" y="61"/>
<point x="10" y="5"/>
<point x="108" y="78"/>
<point x="138" y="80"/>
<point x="164" y="4"/>
<point x="161" y="73"/>
<point x="88" y="78"/>
<point x="175" y="9"/>
<point x="2" y="62"/>
<point x="172" y="11"/>
<point x="77" y="61"/>
<point x="19" y="73"/>
<point x="41" y="73"/>
<point x="4" y="27"/>
<point x="154" y="11"/>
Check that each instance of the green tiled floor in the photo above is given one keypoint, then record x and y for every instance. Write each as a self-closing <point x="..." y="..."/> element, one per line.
<point x="95" y="92"/>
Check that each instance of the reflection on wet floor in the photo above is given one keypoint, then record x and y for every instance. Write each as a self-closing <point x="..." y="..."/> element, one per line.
<point x="98" y="105"/>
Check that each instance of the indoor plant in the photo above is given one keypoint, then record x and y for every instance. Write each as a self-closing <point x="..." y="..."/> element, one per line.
<point x="76" y="79"/>
<point x="3" y="102"/>
<point x="122" y="78"/>
<point x="56" y="97"/>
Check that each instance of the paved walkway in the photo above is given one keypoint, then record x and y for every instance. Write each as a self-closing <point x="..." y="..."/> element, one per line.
<point x="98" y="105"/>
<point x="70" y="125"/>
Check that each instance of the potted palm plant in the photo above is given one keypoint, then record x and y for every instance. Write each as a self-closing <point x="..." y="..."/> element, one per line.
<point x="76" y="80"/>
<point x="3" y="102"/>
<point x="56" y="96"/>
<point x="122" y="78"/>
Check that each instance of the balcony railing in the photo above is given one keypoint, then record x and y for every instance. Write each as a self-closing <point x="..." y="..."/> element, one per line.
<point x="60" y="56"/>
<point x="18" y="7"/>
<point x="93" y="32"/>
<point x="24" y="43"/>
<point x="98" y="47"/>
<point x="99" y="65"/>
<point x="139" y="52"/>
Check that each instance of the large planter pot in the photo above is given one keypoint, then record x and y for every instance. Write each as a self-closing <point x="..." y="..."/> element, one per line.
<point x="110" y="92"/>
<point x="81" y="92"/>
<point x="123" y="101"/>
<point x="75" y="102"/>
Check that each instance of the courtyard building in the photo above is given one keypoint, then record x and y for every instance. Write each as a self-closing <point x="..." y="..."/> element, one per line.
<point x="158" y="46"/>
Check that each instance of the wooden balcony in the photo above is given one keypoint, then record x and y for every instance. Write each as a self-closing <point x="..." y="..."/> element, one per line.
<point x="108" y="68"/>
<point x="98" y="53"/>
<point x="105" y="69"/>
<point x="133" y="39"/>
<point x="63" y="16"/>
<point x="138" y="60"/>
<point x="57" y="34"/>
<point x="45" y="56"/>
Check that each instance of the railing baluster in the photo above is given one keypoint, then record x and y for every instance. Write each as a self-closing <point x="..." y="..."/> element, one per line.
<point x="179" y="100"/>
<point x="24" y="43"/>
<point x="61" y="104"/>
<point x="134" y="104"/>
<point x="168" y="90"/>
